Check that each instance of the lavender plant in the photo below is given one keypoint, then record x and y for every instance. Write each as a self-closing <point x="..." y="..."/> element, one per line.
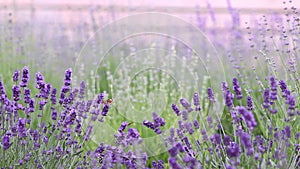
<point x="28" y="140"/>
<point x="190" y="146"/>
<point x="43" y="126"/>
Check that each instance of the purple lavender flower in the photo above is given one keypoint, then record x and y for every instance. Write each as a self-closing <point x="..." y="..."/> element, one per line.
<point x="229" y="167"/>
<point x="39" y="80"/>
<point x="187" y="143"/>
<point x="105" y="110"/>
<point x="173" y="151"/>
<point x="78" y="128"/>
<point x="25" y="77"/>
<point x="157" y="131"/>
<point x="224" y="87"/>
<point x="228" y="96"/>
<point x="156" y="124"/>
<point x="204" y="135"/>
<point x="176" y="109"/>
<point x="273" y="111"/>
<point x="132" y="132"/>
<point x="16" y="93"/>
<point x="196" y="124"/>
<point x="34" y="134"/>
<point x="189" y="127"/>
<point x="173" y="163"/>
<point x="233" y="150"/>
<point x="158" y="165"/>
<point x="284" y="89"/>
<point x="226" y="140"/>
<point x="291" y="102"/>
<point x="16" y="76"/>
<point x="246" y="141"/>
<point x="158" y="121"/>
<point x="123" y="126"/>
<point x="53" y="96"/>
<point x="216" y="139"/>
<point x="273" y="85"/>
<point x="27" y="95"/>
<point x="190" y="161"/>
<point x="184" y="115"/>
<point x="133" y="136"/>
<point x="82" y="90"/>
<point x="196" y="101"/>
<point x="45" y="139"/>
<point x="66" y="87"/>
<point x="210" y="94"/>
<point x="266" y="96"/>
<point x="248" y="117"/>
<point x="14" y="130"/>
<point x="288" y="131"/>
<point x="31" y="106"/>
<point x="70" y="118"/>
<point x="179" y="147"/>
<point x="148" y="124"/>
<point x="249" y="103"/>
<point x="6" y="141"/>
<point x="172" y="138"/>
<point x="3" y="95"/>
<point x="100" y="98"/>
<point x="21" y="127"/>
<point x="42" y="103"/>
<point x="62" y="96"/>
<point x="237" y="89"/>
<point x="47" y="91"/>
<point x="68" y="75"/>
<point x="186" y="104"/>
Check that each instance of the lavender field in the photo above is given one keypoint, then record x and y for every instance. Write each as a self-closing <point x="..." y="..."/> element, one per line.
<point x="116" y="86"/>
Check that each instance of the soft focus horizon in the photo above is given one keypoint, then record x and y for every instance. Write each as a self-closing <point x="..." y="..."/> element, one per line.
<point x="73" y="12"/>
<point x="166" y="3"/>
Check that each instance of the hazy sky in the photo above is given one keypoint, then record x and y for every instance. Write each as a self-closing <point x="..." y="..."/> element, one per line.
<point x="152" y="3"/>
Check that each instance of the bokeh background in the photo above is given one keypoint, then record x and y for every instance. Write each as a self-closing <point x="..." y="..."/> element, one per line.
<point x="72" y="11"/>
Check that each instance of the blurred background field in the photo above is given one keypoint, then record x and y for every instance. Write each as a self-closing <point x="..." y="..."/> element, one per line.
<point x="243" y="39"/>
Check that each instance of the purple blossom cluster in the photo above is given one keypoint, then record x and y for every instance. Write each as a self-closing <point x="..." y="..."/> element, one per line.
<point x="270" y="96"/>
<point x="210" y="95"/>
<point x="228" y="96"/>
<point x="237" y="89"/>
<point x="156" y="124"/>
<point x="131" y="137"/>
<point x="62" y="138"/>
<point x="248" y="117"/>
<point x="45" y="134"/>
<point x="190" y="147"/>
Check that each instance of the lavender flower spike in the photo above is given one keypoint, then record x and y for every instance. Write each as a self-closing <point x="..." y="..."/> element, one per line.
<point x="237" y="89"/>
<point x="176" y="109"/>
<point x="16" y="76"/>
<point x="186" y="104"/>
<point x="210" y="94"/>
<point x="25" y="77"/>
<point x="273" y="85"/>
<point x="248" y="117"/>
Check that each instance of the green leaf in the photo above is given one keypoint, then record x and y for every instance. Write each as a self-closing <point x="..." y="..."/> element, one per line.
<point x="226" y="122"/>
<point x="259" y="129"/>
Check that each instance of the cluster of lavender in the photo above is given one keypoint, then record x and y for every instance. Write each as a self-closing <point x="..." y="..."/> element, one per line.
<point x="115" y="156"/>
<point x="41" y="132"/>
<point x="46" y="132"/>
<point x="277" y="147"/>
<point x="156" y="124"/>
<point x="271" y="96"/>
